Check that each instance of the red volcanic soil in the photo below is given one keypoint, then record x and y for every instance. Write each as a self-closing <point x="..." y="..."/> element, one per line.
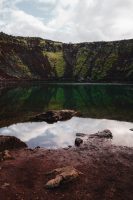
<point x="107" y="173"/>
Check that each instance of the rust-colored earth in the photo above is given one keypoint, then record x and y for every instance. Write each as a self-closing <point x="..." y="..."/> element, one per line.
<point x="107" y="173"/>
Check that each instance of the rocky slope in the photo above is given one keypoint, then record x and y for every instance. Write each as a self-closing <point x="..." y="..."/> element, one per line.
<point x="31" y="58"/>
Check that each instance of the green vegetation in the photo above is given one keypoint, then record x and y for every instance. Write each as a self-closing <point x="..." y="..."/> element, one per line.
<point x="57" y="43"/>
<point x="42" y="43"/>
<point x="130" y="70"/>
<point x="57" y="62"/>
<point x="81" y="66"/>
<point x="102" y="68"/>
<point x="27" y="57"/>
<point x="21" y="69"/>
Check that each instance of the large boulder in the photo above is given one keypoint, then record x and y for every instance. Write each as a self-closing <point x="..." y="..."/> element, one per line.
<point x="10" y="142"/>
<point x="55" y="115"/>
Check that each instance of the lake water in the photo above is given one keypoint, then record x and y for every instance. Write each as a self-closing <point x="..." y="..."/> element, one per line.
<point x="104" y="106"/>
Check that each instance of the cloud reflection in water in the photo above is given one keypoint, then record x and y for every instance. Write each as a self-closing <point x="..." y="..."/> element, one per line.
<point x="62" y="134"/>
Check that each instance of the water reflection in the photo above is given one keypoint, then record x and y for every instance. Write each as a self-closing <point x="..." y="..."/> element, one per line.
<point x="94" y="101"/>
<point x="62" y="134"/>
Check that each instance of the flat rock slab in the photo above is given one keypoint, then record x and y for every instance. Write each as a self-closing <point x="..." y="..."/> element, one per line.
<point x="81" y="134"/>
<point x="103" y="134"/>
<point x="55" y="115"/>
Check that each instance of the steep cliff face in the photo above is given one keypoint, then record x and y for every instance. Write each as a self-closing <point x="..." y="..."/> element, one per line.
<point x="39" y="59"/>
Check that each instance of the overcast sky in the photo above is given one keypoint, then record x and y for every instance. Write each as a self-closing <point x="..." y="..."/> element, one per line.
<point x="68" y="20"/>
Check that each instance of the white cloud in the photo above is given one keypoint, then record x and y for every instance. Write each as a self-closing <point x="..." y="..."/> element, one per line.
<point x="67" y="20"/>
<point x="21" y="23"/>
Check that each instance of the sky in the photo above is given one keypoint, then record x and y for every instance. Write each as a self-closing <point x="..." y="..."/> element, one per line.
<point x="68" y="20"/>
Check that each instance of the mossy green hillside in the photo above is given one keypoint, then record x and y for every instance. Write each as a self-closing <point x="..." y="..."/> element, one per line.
<point x="57" y="62"/>
<point x="37" y="58"/>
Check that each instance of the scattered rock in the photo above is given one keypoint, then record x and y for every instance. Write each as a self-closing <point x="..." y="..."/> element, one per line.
<point x="103" y="134"/>
<point x="29" y="149"/>
<point x="38" y="147"/>
<point x="68" y="147"/>
<point x="55" y="115"/>
<point x="5" y="185"/>
<point x="78" y="142"/>
<point x="63" y="175"/>
<point x="10" y="142"/>
<point x="54" y="182"/>
<point x="81" y="134"/>
<point x="5" y="155"/>
<point x="131" y="129"/>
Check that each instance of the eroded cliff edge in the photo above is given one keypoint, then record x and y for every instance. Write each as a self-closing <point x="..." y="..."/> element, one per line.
<point x="29" y="58"/>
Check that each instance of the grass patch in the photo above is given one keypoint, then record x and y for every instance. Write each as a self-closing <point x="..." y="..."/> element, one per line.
<point x="81" y="67"/>
<point x="101" y="70"/>
<point x="57" y="61"/>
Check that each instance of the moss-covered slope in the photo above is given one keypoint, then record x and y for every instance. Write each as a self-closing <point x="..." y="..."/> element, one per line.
<point x="38" y="59"/>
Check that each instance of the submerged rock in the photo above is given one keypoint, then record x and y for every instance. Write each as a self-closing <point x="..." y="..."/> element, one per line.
<point x="78" y="142"/>
<point x="55" y="115"/>
<point x="103" y="134"/>
<point x="63" y="175"/>
<point x="10" y="142"/>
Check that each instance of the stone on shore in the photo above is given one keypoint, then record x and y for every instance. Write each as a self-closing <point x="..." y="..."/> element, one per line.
<point x="78" y="142"/>
<point x="63" y="175"/>
<point x="5" y="155"/>
<point x="103" y="134"/>
<point x="81" y="134"/>
<point x="10" y="142"/>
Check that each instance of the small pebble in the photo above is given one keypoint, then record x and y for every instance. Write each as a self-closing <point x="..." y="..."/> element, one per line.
<point x="5" y="185"/>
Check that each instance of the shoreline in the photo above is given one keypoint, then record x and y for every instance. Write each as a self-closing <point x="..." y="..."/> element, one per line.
<point x="107" y="172"/>
<point x="65" y="82"/>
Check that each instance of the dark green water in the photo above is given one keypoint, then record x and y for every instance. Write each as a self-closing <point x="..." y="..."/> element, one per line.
<point x="17" y="103"/>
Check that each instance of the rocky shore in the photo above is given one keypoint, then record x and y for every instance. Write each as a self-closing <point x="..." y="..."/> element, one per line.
<point x="92" y="170"/>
